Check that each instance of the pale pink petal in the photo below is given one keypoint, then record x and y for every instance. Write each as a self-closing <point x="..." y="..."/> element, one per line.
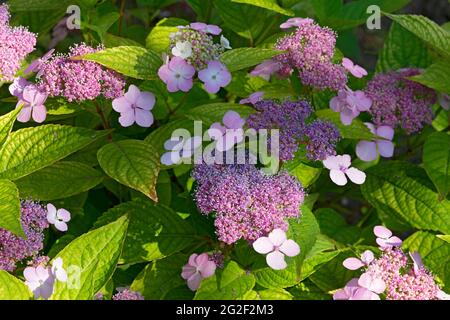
<point x="63" y="214"/>
<point x="61" y="275"/>
<point x="364" y="294"/>
<point x="372" y="283"/>
<point x="24" y="114"/>
<point x="347" y="116"/>
<point x="394" y="241"/>
<point x="385" y="132"/>
<point x="367" y="257"/>
<point x="174" y="143"/>
<point x="194" y="281"/>
<point x="133" y="93"/>
<point x="39" y="113"/>
<point x="207" y="269"/>
<point x="335" y="104"/>
<point x="201" y="259"/>
<point x="371" y="127"/>
<point x="188" y="271"/>
<point x="277" y="237"/>
<point x="193" y="143"/>
<point x="213" y="29"/>
<point x="341" y="294"/>
<point x="290" y="248"/>
<point x="353" y="263"/>
<point x="121" y="104"/>
<point x="417" y="259"/>
<point x="51" y="213"/>
<point x="30" y="274"/>
<point x="347" y="63"/>
<point x="232" y="120"/>
<point x="355" y="175"/>
<point x="367" y="150"/>
<point x="61" y="225"/>
<point x="338" y="177"/>
<point x="185" y="84"/>
<point x="170" y="158"/>
<point x="144" y="118"/>
<point x="263" y="245"/>
<point x="126" y="119"/>
<point x="192" y="259"/>
<point x="275" y="260"/>
<point x="385" y="148"/>
<point x="146" y="101"/>
<point x="382" y="232"/>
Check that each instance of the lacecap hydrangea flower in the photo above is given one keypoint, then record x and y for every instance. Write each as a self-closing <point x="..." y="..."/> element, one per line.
<point x="199" y="267"/>
<point x="247" y="203"/>
<point x="15" y="44"/>
<point x="126" y="294"/>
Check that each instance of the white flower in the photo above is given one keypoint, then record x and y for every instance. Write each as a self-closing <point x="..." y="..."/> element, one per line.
<point x="58" y="270"/>
<point x="339" y="167"/>
<point x="182" y="49"/>
<point x="58" y="217"/>
<point x="225" y="42"/>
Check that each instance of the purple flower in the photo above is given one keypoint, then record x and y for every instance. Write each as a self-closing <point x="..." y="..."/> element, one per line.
<point x="215" y="76"/>
<point x="40" y="280"/>
<point x="353" y="291"/>
<point x="198" y="268"/>
<point x="177" y="75"/>
<point x="253" y="98"/>
<point x="134" y="106"/>
<point x="206" y="28"/>
<point x="354" y="69"/>
<point x="229" y="134"/>
<point x="295" y="22"/>
<point x="385" y="239"/>
<point x="322" y="137"/>
<point x="350" y="103"/>
<point x="369" y="150"/>
<point x="372" y="282"/>
<point x="126" y="294"/>
<point x="354" y="263"/>
<point x="339" y="167"/>
<point x="276" y="246"/>
<point x="266" y="69"/>
<point x="16" y="88"/>
<point x="33" y="105"/>
<point x="179" y="148"/>
<point x="59" y="217"/>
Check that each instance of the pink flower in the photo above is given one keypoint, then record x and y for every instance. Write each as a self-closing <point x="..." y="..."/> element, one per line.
<point x="276" y="246"/>
<point x="369" y="150"/>
<point x="179" y="148"/>
<point x="266" y="69"/>
<point x="253" y="98"/>
<point x="354" y="263"/>
<point x="352" y="291"/>
<point x="372" y="283"/>
<point x="198" y="267"/>
<point x="40" y="280"/>
<point x="230" y="133"/>
<point x="350" y="103"/>
<point x="339" y="167"/>
<point x="177" y="75"/>
<point x="215" y="76"/>
<point x="385" y="239"/>
<point x="295" y="22"/>
<point x="33" y="105"/>
<point x="206" y="28"/>
<point x="135" y="106"/>
<point x="16" y="88"/>
<point x="36" y="65"/>
<point x="58" y="217"/>
<point x="354" y="69"/>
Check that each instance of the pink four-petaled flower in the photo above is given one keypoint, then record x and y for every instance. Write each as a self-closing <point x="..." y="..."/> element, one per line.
<point x="206" y="28"/>
<point x="198" y="268"/>
<point x="59" y="217"/>
<point x="177" y="75"/>
<point x="215" y="76"/>
<point x="385" y="239"/>
<point x="354" y="69"/>
<point x="32" y="100"/>
<point x="339" y="167"/>
<point x="40" y="280"/>
<point x="369" y="150"/>
<point x="350" y="104"/>
<point x="354" y="263"/>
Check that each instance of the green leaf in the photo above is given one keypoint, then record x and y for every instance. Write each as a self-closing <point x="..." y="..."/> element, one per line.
<point x="12" y="288"/>
<point x="357" y="130"/>
<point x="37" y="5"/>
<point x="306" y="174"/>
<point x="28" y="150"/>
<point x="60" y="180"/>
<point x="427" y="30"/>
<point x="307" y="290"/>
<point x="402" y="49"/>
<point x="402" y="190"/>
<point x="158" y="39"/>
<point x="160" y="277"/>
<point x="444" y="237"/>
<point x="132" y="61"/>
<point x="271" y="5"/>
<point x="273" y="294"/>
<point x="111" y="40"/>
<point x="230" y="283"/>
<point x="436" y="161"/>
<point x="154" y="231"/>
<point x="436" y="76"/>
<point x="333" y="225"/>
<point x="434" y="253"/>
<point x="90" y="261"/>
<point x="242" y="58"/>
<point x="10" y="208"/>
<point x="6" y="124"/>
<point x="213" y="112"/>
<point x="133" y="163"/>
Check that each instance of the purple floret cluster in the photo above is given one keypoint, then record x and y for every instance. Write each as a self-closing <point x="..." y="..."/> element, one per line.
<point x="127" y="294"/>
<point x="398" y="101"/>
<point x="79" y="80"/>
<point x="15" y="44"/>
<point x="13" y="248"/>
<point x="247" y="203"/>
<point x="310" y="50"/>
<point x="320" y="137"/>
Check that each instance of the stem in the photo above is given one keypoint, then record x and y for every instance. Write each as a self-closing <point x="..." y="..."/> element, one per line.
<point x="103" y="118"/>
<point x="122" y="8"/>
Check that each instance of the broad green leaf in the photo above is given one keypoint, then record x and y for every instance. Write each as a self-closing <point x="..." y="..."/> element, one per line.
<point x="132" y="61"/>
<point x="154" y="231"/>
<point x="434" y="252"/>
<point x="401" y="189"/>
<point x="133" y="163"/>
<point x="436" y="76"/>
<point x="273" y="294"/>
<point x="427" y="30"/>
<point x="271" y="5"/>
<point x="306" y="174"/>
<point x="111" y="40"/>
<point x="31" y="149"/>
<point x="242" y="58"/>
<point x="90" y="261"/>
<point x="37" y="5"/>
<point x="436" y="161"/>
<point x="10" y="208"/>
<point x="6" y="124"/>
<point x="158" y="39"/>
<point x="12" y="288"/>
<point x="230" y="283"/>
<point x="214" y="112"/>
<point x="60" y="180"/>
<point x="160" y="276"/>
<point x="444" y="237"/>
<point x="402" y="49"/>
<point x="356" y="130"/>
<point x="333" y="225"/>
<point x="307" y="290"/>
